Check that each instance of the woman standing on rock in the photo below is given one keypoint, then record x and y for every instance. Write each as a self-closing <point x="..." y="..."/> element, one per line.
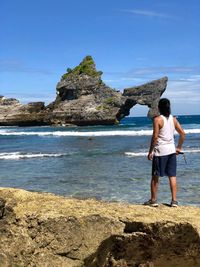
<point x="163" y="152"/>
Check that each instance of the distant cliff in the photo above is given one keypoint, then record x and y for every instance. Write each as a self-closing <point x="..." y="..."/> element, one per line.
<point x="83" y="99"/>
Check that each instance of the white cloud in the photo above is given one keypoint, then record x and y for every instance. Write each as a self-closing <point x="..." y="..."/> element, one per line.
<point x="192" y="78"/>
<point x="123" y="79"/>
<point x="147" y="13"/>
<point x="18" y="66"/>
<point x="184" y="96"/>
<point x="27" y="97"/>
<point x="146" y="73"/>
<point x="173" y="70"/>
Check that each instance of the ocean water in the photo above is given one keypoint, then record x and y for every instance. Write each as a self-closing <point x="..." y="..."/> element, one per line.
<point x="102" y="162"/>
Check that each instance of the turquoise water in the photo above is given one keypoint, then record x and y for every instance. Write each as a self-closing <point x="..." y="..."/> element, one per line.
<point x="103" y="162"/>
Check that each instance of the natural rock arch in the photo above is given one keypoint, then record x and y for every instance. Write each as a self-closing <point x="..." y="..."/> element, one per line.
<point x="83" y="99"/>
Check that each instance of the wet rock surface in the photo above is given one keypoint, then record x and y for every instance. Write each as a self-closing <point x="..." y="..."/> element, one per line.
<point x="40" y="229"/>
<point x="83" y="99"/>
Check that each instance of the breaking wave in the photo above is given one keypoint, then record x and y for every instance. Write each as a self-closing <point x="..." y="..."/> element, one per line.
<point x="20" y="155"/>
<point x="136" y="154"/>
<point x="87" y="134"/>
<point x="142" y="154"/>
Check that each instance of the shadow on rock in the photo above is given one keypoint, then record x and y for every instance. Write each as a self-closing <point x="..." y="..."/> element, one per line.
<point x="150" y="245"/>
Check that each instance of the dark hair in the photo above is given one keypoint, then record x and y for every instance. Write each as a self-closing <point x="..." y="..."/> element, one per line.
<point x="164" y="107"/>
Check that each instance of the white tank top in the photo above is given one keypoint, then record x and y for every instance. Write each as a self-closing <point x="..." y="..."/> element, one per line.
<point x="165" y="144"/>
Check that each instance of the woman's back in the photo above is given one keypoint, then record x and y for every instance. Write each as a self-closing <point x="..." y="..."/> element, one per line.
<point x="165" y="143"/>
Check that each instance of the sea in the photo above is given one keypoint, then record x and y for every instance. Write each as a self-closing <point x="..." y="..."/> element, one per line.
<point x="107" y="163"/>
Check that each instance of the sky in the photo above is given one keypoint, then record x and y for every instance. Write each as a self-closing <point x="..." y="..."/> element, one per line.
<point x="131" y="41"/>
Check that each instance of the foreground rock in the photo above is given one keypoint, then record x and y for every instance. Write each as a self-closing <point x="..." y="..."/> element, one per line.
<point x="83" y="99"/>
<point x="39" y="229"/>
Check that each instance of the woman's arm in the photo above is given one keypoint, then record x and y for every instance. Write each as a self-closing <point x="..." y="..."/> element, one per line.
<point x="154" y="139"/>
<point x="181" y="132"/>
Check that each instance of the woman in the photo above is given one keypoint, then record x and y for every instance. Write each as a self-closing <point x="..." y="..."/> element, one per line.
<point x="163" y="152"/>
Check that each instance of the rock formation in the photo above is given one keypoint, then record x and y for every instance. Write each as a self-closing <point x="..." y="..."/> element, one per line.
<point x="83" y="99"/>
<point x="12" y="113"/>
<point x="44" y="230"/>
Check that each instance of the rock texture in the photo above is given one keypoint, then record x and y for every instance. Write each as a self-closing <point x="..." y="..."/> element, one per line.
<point x="43" y="230"/>
<point x="147" y="95"/>
<point x="83" y="99"/>
<point x="12" y="112"/>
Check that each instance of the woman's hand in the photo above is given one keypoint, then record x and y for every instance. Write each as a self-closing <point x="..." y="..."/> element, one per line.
<point x="178" y="151"/>
<point x="150" y="156"/>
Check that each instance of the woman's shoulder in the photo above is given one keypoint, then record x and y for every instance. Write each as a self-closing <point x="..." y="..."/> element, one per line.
<point x="174" y="119"/>
<point x="158" y="118"/>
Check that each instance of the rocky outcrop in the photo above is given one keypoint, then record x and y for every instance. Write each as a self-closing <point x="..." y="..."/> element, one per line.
<point x="147" y="94"/>
<point x="83" y="99"/>
<point x="12" y="112"/>
<point x="40" y="229"/>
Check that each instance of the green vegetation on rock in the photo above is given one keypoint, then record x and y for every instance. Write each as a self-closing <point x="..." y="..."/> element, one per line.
<point x="87" y="66"/>
<point x="109" y="101"/>
<point x="102" y="107"/>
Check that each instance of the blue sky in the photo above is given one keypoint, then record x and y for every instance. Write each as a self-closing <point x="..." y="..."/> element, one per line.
<point x="132" y="42"/>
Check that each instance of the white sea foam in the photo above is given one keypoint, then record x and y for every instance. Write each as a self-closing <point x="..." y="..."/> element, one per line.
<point x="192" y="131"/>
<point x="141" y="154"/>
<point x="88" y="134"/>
<point x="191" y="151"/>
<point x="81" y="134"/>
<point x="19" y="155"/>
<point x="136" y="154"/>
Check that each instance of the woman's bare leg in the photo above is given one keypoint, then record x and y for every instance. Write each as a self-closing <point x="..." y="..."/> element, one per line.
<point x="173" y="187"/>
<point x="154" y="187"/>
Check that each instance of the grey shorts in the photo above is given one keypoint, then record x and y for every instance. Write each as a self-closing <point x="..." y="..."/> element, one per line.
<point x="164" y="165"/>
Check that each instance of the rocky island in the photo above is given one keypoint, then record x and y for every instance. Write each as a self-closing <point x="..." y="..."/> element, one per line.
<point x="82" y="99"/>
<point x="45" y="230"/>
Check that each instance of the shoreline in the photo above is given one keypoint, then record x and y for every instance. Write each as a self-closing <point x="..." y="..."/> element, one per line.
<point x="62" y="231"/>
